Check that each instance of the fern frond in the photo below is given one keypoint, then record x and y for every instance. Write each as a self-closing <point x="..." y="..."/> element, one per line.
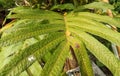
<point x="95" y="5"/>
<point x="25" y="23"/>
<point x="54" y="65"/>
<point x="99" y="5"/>
<point x="82" y="56"/>
<point x="82" y="20"/>
<point x="7" y="53"/>
<point x="96" y="17"/>
<point x="57" y="30"/>
<point x="32" y="24"/>
<point x="107" y="34"/>
<point x="67" y="6"/>
<point x="23" y="34"/>
<point x="93" y="27"/>
<point x="30" y="13"/>
<point x="99" y="51"/>
<point x="20" y="62"/>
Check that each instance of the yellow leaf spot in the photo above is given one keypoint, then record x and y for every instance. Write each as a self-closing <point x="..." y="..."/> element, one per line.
<point x="67" y="33"/>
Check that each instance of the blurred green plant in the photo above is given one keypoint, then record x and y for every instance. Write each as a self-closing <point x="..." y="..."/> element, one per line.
<point x="7" y="3"/>
<point x="39" y="40"/>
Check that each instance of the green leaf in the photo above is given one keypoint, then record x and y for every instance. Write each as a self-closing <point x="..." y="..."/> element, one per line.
<point x="99" y="51"/>
<point x="82" y="57"/>
<point x="7" y="53"/>
<point x="30" y="13"/>
<point x="25" y="24"/>
<point x="23" y="34"/>
<point x="93" y="27"/>
<point x="86" y="21"/>
<point x="96" y="17"/>
<point x="67" y="6"/>
<point x="107" y="34"/>
<point x="56" y="30"/>
<point x="21" y="61"/>
<point x="95" y="5"/>
<point x="55" y="64"/>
